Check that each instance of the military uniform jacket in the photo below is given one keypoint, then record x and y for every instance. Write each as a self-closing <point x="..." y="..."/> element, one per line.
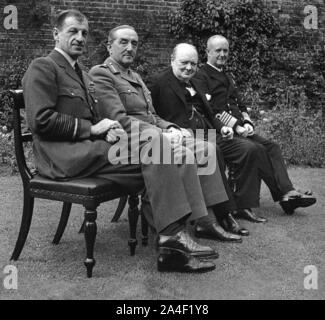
<point x="170" y="103"/>
<point x="224" y="94"/>
<point x="60" y="110"/>
<point x="125" y="98"/>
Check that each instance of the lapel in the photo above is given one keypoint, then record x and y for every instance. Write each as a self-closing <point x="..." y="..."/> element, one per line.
<point x="196" y="85"/>
<point x="129" y="79"/>
<point x="216" y="75"/>
<point x="115" y="68"/>
<point x="62" y="62"/>
<point x="174" y="84"/>
<point x="89" y="85"/>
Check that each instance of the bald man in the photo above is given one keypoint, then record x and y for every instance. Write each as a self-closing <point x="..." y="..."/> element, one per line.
<point x="228" y="107"/>
<point x="179" y="98"/>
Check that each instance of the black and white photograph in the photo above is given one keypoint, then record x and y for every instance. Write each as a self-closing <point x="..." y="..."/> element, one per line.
<point x="162" y="155"/>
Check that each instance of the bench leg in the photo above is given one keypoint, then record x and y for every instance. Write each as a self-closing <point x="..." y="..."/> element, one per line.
<point x="63" y="222"/>
<point x="133" y="215"/>
<point x="25" y="225"/>
<point x="90" y="237"/>
<point x="120" y="208"/>
<point x="82" y="228"/>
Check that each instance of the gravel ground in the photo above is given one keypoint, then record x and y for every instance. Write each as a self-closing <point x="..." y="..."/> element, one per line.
<point x="269" y="264"/>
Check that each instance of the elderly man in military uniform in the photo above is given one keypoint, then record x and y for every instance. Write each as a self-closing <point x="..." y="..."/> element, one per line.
<point x="228" y="107"/>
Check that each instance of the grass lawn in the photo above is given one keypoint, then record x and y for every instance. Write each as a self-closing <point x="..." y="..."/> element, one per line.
<point x="269" y="264"/>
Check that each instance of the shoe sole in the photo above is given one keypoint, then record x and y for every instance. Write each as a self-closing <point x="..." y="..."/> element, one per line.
<point x="218" y="239"/>
<point x="165" y="250"/>
<point x="250" y="220"/>
<point x="238" y="231"/>
<point x="292" y="204"/>
<point x="245" y="234"/>
<point x="202" y="270"/>
<point x="302" y="202"/>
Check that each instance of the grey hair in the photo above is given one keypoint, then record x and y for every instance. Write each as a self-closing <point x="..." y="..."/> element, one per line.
<point x="217" y="36"/>
<point x="111" y="35"/>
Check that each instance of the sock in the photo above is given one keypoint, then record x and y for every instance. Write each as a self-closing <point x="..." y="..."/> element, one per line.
<point x="207" y="220"/>
<point x="174" y="227"/>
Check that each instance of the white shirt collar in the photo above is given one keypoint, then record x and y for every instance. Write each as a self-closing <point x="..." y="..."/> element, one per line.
<point x="68" y="58"/>
<point x="219" y="69"/>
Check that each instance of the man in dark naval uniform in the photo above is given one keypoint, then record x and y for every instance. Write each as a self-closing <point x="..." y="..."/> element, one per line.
<point x="227" y="106"/>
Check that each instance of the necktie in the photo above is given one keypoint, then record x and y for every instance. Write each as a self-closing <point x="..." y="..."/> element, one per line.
<point x="78" y="71"/>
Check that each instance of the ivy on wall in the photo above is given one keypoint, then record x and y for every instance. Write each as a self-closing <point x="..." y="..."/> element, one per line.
<point x="38" y="13"/>
<point x="263" y="57"/>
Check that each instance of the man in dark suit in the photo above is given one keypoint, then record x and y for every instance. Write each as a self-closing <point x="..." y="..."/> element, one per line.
<point x="72" y="140"/>
<point x="227" y="106"/>
<point x="180" y="98"/>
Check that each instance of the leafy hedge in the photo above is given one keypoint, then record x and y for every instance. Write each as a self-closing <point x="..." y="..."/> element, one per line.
<point x="263" y="57"/>
<point x="300" y="132"/>
<point x="272" y="72"/>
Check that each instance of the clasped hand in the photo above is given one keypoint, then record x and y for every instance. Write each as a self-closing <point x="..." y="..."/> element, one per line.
<point x="245" y="131"/>
<point x="227" y="133"/>
<point x="113" y="130"/>
<point x="175" y="136"/>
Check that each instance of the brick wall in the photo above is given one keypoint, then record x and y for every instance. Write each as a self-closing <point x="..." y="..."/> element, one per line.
<point x="150" y="18"/>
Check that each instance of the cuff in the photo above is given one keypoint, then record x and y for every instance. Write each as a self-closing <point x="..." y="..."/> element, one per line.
<point x="83" y="129"/>
<point x="249" y="122"/>
<point x="227" y="119"/>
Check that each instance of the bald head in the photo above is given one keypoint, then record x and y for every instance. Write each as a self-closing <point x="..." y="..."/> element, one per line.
<point x="181" y="48"/>
<point x="184" y="61"/>
<point x="218" y="51"/>
<point x="216" y="39"/>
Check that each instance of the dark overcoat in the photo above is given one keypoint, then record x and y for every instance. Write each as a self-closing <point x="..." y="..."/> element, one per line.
<point x="170" y="103"/>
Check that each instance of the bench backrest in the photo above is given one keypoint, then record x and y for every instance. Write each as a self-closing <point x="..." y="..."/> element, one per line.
<point x="19" y="137"/>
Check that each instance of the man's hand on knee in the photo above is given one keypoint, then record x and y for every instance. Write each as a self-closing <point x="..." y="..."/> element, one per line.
<point x="241" y="131"/>
<point x="249" y="128"/>
<point x="227" y="133"/>
<point x="103" y="126"/>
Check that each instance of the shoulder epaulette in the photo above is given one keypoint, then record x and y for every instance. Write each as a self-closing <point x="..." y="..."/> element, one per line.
<point x="111" y="67"/>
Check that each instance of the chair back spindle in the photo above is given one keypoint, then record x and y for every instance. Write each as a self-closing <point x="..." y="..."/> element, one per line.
<point x="19" y="137"/>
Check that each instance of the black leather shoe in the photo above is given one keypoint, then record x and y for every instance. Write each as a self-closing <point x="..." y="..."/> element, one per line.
<point x="249" y="215"/>
<point x="290" y="205"/>
<point x="182" y="242"/>
<point x="216" y="232"/>
<point x="229" y="223"/>
<point x="177" y="261"/>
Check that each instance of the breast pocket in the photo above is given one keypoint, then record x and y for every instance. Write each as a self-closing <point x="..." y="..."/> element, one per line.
<point x="72" y="93"/>
<point x="73" y="101"/>
<point x="128" y="95"/>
